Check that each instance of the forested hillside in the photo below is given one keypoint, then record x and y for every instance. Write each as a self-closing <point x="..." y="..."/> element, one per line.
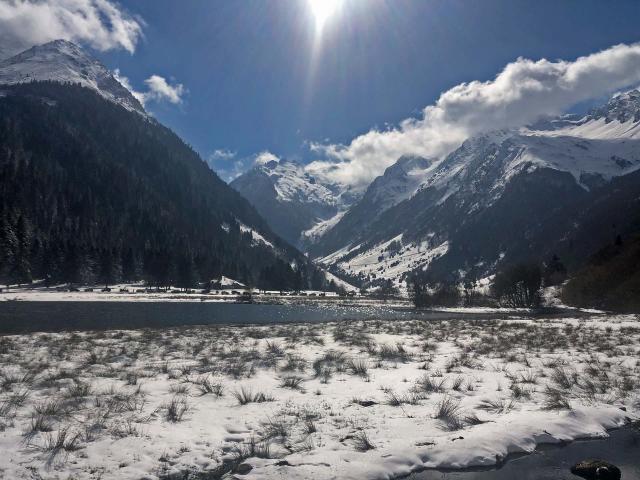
<point x="92" y="192"/>
<point x="611" y="280"/>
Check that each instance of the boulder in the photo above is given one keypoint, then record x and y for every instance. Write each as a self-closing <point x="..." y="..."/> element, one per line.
<point x="243" y="469"/>
<point x="596" y="470"/>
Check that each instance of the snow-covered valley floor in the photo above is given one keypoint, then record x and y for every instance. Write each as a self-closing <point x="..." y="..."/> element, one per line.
<point x="365" y="399"/>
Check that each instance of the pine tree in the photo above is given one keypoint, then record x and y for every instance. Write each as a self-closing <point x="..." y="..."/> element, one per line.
<point x="130" y="266"/>
<point x="21" y="271"/>
<point x="186" y="271"/>
<point x="109" y="267"/>
<point x="8" y="249"/>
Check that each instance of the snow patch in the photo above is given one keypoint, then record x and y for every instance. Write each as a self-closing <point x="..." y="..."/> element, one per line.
<point x="322" y="227"/>
<point x="257" y="237"/>
<point x="388" y="260"/>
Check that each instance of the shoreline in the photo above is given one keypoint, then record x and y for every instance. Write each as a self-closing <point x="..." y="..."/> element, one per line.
<point x="632" y="427"/>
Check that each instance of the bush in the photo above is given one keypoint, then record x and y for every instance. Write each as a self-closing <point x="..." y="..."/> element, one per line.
<point x="554" y="272"/>
<point x="518" y="286"/>
<point x="387" y="290"/>
<point x="425" y="293"/>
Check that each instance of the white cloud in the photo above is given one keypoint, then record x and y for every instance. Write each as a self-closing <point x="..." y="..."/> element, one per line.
<point x="102" y="24"/>
<point x="522" y="92"/>
<point x="222" y="154"/>
<point x="265" y="157"/>
<point x="158" y="89"/>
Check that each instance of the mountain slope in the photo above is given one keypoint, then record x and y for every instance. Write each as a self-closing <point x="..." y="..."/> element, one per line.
<point x="292" y="200"/>
<point x="64" y="62"/>
<point x="398" y="183"/>
<point x="92" y="191"/>
<point x="610" y="280"/>
<point x="488" y="201"/>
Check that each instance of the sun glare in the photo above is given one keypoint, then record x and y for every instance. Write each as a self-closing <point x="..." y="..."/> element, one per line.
<point x="322" y="10"/>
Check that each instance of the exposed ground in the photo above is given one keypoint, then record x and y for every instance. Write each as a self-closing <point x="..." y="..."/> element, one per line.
<point x="373" y="399"/>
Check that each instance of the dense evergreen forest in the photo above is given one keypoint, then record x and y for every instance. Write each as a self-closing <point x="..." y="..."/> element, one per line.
<point x="610" y="280"/>
<point x="93" y="193"/>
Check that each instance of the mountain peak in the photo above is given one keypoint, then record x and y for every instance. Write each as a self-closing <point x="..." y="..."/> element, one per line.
<point x="622" y="107"/>
<point x="407" y="163"/>
<point x="61" y="45"/>
<point x="63" y="61"/>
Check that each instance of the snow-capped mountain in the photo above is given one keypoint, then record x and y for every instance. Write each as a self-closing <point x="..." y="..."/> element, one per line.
<point x="65" y="62"/>
<point x="490" y="200"/>
<point x="398" y="182"/>
<point x="297" y="205"/>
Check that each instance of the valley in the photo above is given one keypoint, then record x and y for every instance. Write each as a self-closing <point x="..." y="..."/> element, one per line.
<point x="319" y="240"/>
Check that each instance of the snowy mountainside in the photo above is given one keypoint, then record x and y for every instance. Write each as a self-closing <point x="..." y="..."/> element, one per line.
<point x="256" y="237"/>
<point x="297" y="205"/>
<point x="313" y="234"/>
<point x="484" y="187"/>
<point x="398" y="182"/>
<point x="389" y="260"/>
<point x="65" y="62"/>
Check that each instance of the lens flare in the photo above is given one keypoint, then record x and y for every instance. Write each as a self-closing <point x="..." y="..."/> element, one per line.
<point x="322" y="10"/>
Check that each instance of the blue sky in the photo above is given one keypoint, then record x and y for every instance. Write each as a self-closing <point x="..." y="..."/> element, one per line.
<point x="259" y="78"/>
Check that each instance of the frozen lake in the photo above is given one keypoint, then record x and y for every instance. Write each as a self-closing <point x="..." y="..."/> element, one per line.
<point x="22" y="317"/>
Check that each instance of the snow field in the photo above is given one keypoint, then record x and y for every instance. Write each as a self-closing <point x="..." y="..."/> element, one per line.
<point x="374" y="399"/>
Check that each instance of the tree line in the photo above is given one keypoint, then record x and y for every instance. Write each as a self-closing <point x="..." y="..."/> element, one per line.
<point x="25" y="256"/>
<point x="514" y="286"/>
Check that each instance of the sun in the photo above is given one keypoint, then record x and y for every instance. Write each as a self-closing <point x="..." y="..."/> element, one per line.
<point x="322" y="10"/>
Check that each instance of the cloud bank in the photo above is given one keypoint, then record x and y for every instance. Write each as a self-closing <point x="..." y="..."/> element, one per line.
<point x="102" y="24"/>
<point x="521" y="93"/>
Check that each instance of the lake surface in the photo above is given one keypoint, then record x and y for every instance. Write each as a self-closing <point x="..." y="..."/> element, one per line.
<point x="24" y="316"/>
<point x="553" y="462"/>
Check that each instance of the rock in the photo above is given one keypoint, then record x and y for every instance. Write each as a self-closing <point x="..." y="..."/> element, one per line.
<point x="243" y="469"/>
<point x="596" y="470"/>
<point x="366" y="403"/>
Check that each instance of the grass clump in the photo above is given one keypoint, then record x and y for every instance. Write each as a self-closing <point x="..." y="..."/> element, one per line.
<point x="176" y="409"/>
<point x="448" y="411"/>
<point x="293" y="382"/>
<point x="362" y="443"/>
<point x="359" y="367"/>
<point x="245" y="396"/>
